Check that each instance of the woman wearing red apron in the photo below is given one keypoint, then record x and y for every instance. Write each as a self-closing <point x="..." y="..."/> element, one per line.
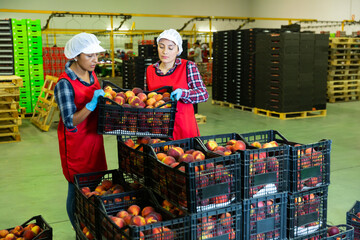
<point x="185" y="79"/>
<point x="76" y="93"/>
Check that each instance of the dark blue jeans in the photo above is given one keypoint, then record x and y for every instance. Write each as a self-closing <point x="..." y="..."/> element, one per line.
<point x="70" y="203"/>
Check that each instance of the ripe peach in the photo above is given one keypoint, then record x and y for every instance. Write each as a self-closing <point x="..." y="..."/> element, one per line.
<point x="99" y="189"/>
<point x="150" y="101"/>
<point x="108" y="88"/>
<point x="173" y="152"/>
<point x="113" y="94"/>
<point x="106" y="184"/>
<point x="147" y="210"/>
<point x="85" y="190"/>
<point x="151" y="94"/>
<point x="10" y="236"/>
<point x="158" y="97"/>
<point x="108" y="95"/>
<point x="28" y="234"/>
<point x="134" y="210"/>
<point x="256" y="144"/>
<point x="134" y="101"/>
<point x="122" y="214"/>
<point x="138" y="221"/>
<point x="186" y="158"/>
<point x="17" y="231"/>
<point x="267" y="145"/>
<point x="219" y="152"/>
<point x="174" y="164"/>
<point x="3" y="233"/>
<point x="198" y="156"/>
<point x="129" y="94"/>
<point x="227" y="152"/>
<point x="89" y="236"/>
<point x="137" y="90"/>
<point x="121" y="94"/>
<point x="128" y="218"/>
<point x="119" y="100"/>
<point x="166" y="94"/>
<point x="239" y="145"/>
<point x="211" y="145"/>
<point x="274" y="143"/>
<point x="129" y="142"/>
<point x="120" y="222"/>
<point x="220" y="148"/>
<point x="159" y="103"/>
<point x="168" y="160"/>
<point x="166" y="99"/>
<point x="231" y="142"/>
<point x="151" y="218"/>
<point x="226" y="219"/>
<point x="142" y="96"/>
<point x="161" y="156"/>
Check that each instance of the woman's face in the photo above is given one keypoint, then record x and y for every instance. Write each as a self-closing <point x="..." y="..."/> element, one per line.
<point x="167" y="50"/>
<point x="87" y="61"/>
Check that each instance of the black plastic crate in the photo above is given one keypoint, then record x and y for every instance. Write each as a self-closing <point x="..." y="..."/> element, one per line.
<point x="354" y="220"/>
<point x="309" y="164"/>
<point x="265" y="217"/>
<point x="223" y="223"/>
<point x="114" y="119"/>
<point x="46" y="232"/>
<point x="346" y="232"/>
<point x="195" y="186"/>
<point x="307" y="212"/>
<point x="263" y="171"/>
<point x="170" y="227"/>
<point x="79" y="230"/>
<point x="321" y="234"/>
<point x="86" y="206"/>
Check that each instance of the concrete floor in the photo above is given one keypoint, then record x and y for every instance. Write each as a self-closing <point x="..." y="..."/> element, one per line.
<point x="32" y="183"/>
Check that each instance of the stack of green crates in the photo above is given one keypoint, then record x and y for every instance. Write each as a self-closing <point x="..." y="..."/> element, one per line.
<point x="21" y="61"/>
<point x="35" y="59"/>
<point x="28" y="60"/>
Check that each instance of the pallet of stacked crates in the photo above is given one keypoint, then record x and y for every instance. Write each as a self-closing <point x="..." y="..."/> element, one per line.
<point x="36" y="68"/>
<point x="21" y="61"/>
<point x="309" y="177"/>
<point x="263" y="184"/>
<point x="9" y="108"/>
<point x="6" y="45"/>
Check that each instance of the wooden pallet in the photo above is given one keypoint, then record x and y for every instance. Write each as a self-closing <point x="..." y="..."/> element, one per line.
<point x="290" y="115"/>
<point x="343" y="85"/>
<point x="344" y="72"/>
<point x="344" y="40"/>
<point x="9" y="137"/>
<point x="46" y="106"/>
<point x="343" y="96"/>
<point x="346" y="62"/>
<point x="11" y="81"/>
<point x="200" y="119"/>
<point x="346" y="55"/>
<point x="231" y="105"/>
<point x="342" y="78"/>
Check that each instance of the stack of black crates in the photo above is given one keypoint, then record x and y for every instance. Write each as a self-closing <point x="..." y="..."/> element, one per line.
<point x="291" y="71"/>
<point x="134" y="71"/>
<point x="270" y="69"/>
<point x="6" y="48"/>
<point x="308" y="181"/>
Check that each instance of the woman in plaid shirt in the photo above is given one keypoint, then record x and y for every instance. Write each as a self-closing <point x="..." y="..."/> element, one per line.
<point x="185" y="79"/>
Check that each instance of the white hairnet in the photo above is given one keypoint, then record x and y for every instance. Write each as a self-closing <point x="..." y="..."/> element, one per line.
<point x="172" y="35"/>
<point x="82" y="43"/>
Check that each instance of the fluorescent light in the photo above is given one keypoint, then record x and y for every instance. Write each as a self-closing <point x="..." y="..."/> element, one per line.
<point x="207" y="30"/>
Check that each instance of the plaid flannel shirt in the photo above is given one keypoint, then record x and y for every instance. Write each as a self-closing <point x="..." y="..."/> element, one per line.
<point x="197" y="92"/>
<point x="64" y="96"/>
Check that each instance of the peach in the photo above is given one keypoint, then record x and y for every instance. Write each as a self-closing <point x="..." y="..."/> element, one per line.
<point x="147" y="210"/>
<point x="143" y="140"/>
<point x="99" y="189"/>
<point x="158" y="97"/>
<point x="174" y="164"/>
<point x="198" y="156"/>
<point x="150" y="101"/>
<point x="211" y="145"/>
<point x="151" y="94"/>
<point x="166" y="204"/>
<point x="106" y="184"/>
<point x="108" y="95"/>
<point x="129" y="94"/>
<point x="226" y="219"/>
<point x="166" y="99"/>
<point x="227" y="152"/>
<point x="142" y="96"/>
<point x="159" y="103"/>
<point x="137" y="90"/>
<point x="108" y="88"/>
<point x="175" y="152"/>
<point x="267" y="145"/>
<point x="11" y="236"/>
<point x="85" y="190"/>
<point x="120" y="222"/>
<point x="117" y="186"/>
<point x="168" y="160"/>
<point x="122" y="214"/>
<point x="134" y="210"/>
<point x="256" y="144"/>
<point x="161" y="156"/>
<point x="128" y="218"/>
<point x="28" y="234"/>
<point x="113" y="94"/>
<point x="231" y="142"/>
<point x="17" y="231"/>
<point x="138" y="221"/>
<point x="186" y="158"/>
<point x="274" y="143"/>
<point x="156" y="216"/>
<point x="3" y="233"/>
<point x="219" y="152"/>
<point x="190" y="151"/>
<point x="134" y="101"/>
<point x="119" y="100"/>
<point x="166" y="94"/>
<point x="239" y="145"/>
<point x="129" y="142"/>
<point x="151" y="218"/>
<point x="220" y="148"/>
<point x="89" y="236"/>
<point x="121" y="94"/>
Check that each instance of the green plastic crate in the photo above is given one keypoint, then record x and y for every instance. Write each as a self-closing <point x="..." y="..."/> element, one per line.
<point x="36" y="60"/>
<point x="20" y="60"/>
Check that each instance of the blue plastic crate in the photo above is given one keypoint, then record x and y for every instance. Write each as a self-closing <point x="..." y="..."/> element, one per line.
<point x="353" y="220"/>
<point x="265" y="217"/>
<point x="307" y="212"/>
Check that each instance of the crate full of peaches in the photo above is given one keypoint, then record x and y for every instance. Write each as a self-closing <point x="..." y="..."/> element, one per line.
<point x="135" y="112"/>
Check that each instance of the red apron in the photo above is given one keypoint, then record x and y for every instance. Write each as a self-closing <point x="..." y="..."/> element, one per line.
<point x="81" y="151"/>
<point x="185" y="123"/>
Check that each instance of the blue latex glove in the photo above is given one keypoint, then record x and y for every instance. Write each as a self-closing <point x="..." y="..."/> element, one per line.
<point x="92" y="104"/>
<point x="176" y="95"/>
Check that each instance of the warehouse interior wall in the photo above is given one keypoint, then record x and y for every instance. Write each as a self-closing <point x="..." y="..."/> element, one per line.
<point x="324" y="10"/>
